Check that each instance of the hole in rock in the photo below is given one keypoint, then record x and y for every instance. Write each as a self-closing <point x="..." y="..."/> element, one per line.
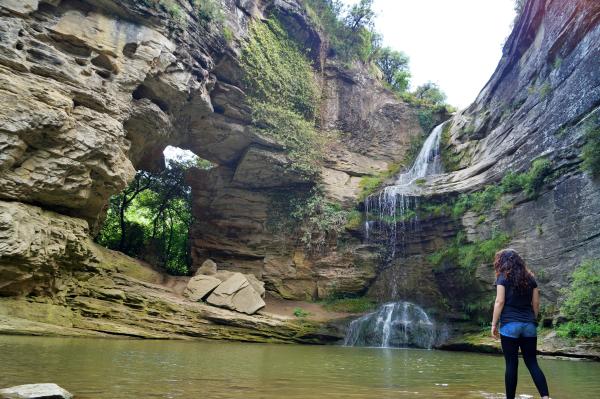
<point x="102" y="61"/>
<point x="151" y="218"/>
<point x="102" y="73"/>
<point x="218" y="109"/>
<point x="19" y="45"/>
<point x="144" y="92"/>
<point x="129" y="49"/>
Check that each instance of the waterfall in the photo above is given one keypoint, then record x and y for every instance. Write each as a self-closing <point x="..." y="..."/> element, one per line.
<point x="391" y="205"/>
<point x="398" y="324"/>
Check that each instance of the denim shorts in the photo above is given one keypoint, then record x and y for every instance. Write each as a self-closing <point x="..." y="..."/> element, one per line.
<point x="516" y="329"/>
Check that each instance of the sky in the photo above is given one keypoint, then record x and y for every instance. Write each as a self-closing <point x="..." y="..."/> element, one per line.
<point x="454" y="43"/>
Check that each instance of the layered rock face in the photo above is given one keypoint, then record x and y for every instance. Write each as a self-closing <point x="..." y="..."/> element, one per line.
<point x="92" y="91"/>
<point x="539" y="103"/>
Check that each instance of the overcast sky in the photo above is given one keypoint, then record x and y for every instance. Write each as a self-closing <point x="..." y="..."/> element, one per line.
<point x="455" y="43"/>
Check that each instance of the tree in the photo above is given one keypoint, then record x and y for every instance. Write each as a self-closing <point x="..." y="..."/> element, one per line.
<point x="394" y="66"/>
<point x="360" y="16"/>
<point x="151" y="218"/>
<point x="430" y="93"/>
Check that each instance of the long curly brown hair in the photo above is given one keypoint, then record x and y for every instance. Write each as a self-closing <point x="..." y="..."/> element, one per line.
<point x="509" y="263"/>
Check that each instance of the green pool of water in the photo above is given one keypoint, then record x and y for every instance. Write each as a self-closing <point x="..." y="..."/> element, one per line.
<point x="115" y="369"/>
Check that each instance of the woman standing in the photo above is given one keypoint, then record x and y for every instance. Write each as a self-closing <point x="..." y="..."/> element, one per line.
<point x="516" y="307"/>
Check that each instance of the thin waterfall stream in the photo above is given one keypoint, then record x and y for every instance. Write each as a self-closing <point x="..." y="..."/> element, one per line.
<point x="398" y="324"/>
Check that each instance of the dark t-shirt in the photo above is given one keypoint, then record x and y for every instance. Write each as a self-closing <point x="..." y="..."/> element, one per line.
<point x="517" y="305"/>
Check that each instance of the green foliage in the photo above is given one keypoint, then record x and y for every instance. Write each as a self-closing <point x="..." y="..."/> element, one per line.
<point x="151" y="218"/>
<point x="354" y="220"/>
<point x="579" y="330"/>
<point x="591" y="151"/>
<point x="319" y="222"/>
<point x="469" y="255"/>
<point x="300" y="313"/>
<point x="529" y="182"/>
<point x="450" y="159"/>
<point x="430" y="93"/>
<point x="350" y="30"/>
<point x="298" y="136"/>
<point x="350" y="305"/>
<point x="227" y="34"/>
<point x="394" y="66"/>
<point x="545" y="90"/>
<point x="276" y="70"/>
<point x="171" y="7"/>
<point x="582" y="302"/>
<point x="283" y="93"/>
<point x="208" y="10"/>
<point x="557" y="63"/>
<point x="426" y="120"/>
<point x="369" y="184"/>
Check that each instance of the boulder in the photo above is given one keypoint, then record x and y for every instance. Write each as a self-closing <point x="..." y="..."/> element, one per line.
<point x="200" y="286"/>
<point x="208" y="268"/>
<point x="259" y="286"/>
<point x="35" y="391"/>
<point x="237" y="293"/>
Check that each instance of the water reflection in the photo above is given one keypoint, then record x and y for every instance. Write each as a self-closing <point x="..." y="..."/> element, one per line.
<point x="119" y="369"/>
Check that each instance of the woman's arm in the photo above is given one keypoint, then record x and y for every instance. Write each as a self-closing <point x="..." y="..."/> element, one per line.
<point x="498" y="306"/>
<point x="535" y="302"/>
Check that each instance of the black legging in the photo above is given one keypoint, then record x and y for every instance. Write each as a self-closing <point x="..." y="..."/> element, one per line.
<point x="510" y="348"/>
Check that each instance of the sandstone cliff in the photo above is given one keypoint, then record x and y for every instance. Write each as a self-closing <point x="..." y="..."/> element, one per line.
<point x="538" y="105"/>
<point x="92" y="91"/>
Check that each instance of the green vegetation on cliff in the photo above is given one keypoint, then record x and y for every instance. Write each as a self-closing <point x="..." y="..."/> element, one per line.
<point x="582" y="302"/>
<point x="350" y="31"/>
<point x="591" y="151"/>
<point x="469" y="255"/>
<point x="282" y="93"/>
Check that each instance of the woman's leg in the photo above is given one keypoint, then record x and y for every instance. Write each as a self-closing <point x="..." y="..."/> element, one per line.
<point x="528" y="349"/>
<point x="510" y="349"/>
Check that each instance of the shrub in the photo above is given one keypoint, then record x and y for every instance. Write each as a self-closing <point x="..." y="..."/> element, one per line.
<point x="426" y="120"/>
<point x="579" y="330"/>
<point x="534" y="179"/>
<point x="354" y="220"/>
<point x="582" y="302"/>
<point x="469" y="255"/>
<point x="208" y="10"/>
<point x="300" y="313"/>
<point x="317" y="221"/>
<point x="591" y="152"/>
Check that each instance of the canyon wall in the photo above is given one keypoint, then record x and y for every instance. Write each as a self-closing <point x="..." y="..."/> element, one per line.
<point x="539" y="104"/>
<point x="93" y="91"/>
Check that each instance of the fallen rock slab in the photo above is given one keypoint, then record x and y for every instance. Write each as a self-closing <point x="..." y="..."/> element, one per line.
<point x="200" y="286"/>
<point x="237" y="293"/>
<point x="35" y="391"/>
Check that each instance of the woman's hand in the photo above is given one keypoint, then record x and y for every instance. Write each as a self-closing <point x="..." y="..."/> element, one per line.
<point x="494" y="331"/>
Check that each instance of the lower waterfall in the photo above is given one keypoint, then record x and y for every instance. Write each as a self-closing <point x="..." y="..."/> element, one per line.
<point x="394" y="325"/>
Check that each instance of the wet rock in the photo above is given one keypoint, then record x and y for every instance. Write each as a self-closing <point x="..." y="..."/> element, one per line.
<point x="237" y="293"/>
<point x="200" y="286"/>
<point x="35" y="391"/>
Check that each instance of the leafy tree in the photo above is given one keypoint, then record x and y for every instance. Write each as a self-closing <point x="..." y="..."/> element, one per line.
<point x="394" y="66"/>
<point x="151" y="218"/>
<point x="350" y="30"/>
<point x="360" y="16"/>
<point x="430" y="93"/>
